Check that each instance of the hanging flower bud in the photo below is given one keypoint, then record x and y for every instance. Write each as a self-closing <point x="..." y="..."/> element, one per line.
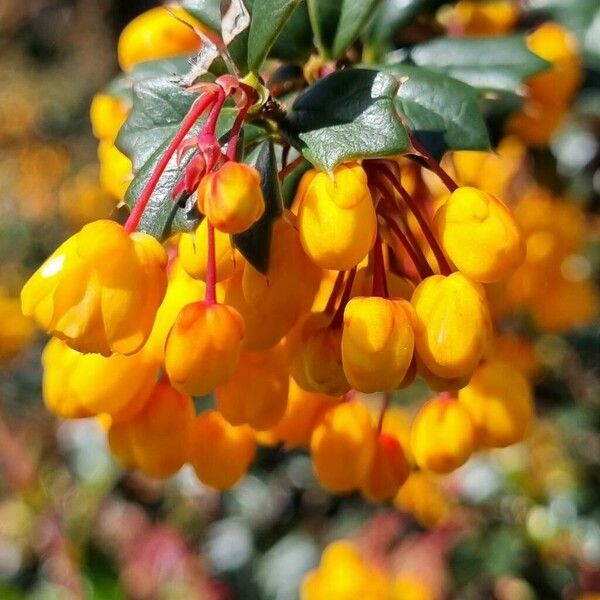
<point x="336" y="216"/>
<point x="342" y="446"/>
<point x="388" y="471"/>
<point x="500" y="403"/>
<point x="377" y="343"/>
<point x="480" y="235"/>
<point x="203" y="347"/>
<point x="452" y="325"/>
<point x="221" y="453"/>
<point x="231" y="198"/>
<point x="157" y="34"/>
<point x="100" y="290"/>
<point x="257" y="391"/>
<point x="442" y="436"/>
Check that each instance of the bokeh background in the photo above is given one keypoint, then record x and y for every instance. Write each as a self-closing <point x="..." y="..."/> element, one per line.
<point x="520" y="523"/>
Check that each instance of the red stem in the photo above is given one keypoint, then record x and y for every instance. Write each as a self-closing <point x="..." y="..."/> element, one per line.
<point x="384" y="407"/>
<point x="443" y="264"/>
<point x="433" y="164"/>
<point x="335" y="292"/>
<point x="338" y="317"/>
<point x="290" y="167"/>
<point x="193" y="115"/>
<point x="211" y="268"/>
<point x="421" y="265"/>
<point x="211" y="123"/>
<point x="379" y="279"/>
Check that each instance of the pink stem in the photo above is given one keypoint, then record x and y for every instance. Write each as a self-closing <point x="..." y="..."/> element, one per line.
<point x="379" y="279"/>
<point x="433" y="164"/>
<point x="211" y="123"/>
<point x="384" y="407"/>
<point x="234" y="136"/>
<point x="193" y="115"/>
<point x="338" y="317"/>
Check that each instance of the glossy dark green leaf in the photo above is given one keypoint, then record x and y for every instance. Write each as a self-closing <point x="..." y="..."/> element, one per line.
<point x="268" y="19"/>
<point x="207" y="12"/>
<point x="295" y="42"/>
<point x="393" y="15"/>
<point x="486" y="63"/>
<point x="349" y="114"/>
<point x="443" y="113"/>
<point x="254" y="244"/>
<point x="336" y="24"/>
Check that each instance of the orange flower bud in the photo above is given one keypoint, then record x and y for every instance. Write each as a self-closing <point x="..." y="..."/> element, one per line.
<point x="452" y="324"/>
<point x="82" y="385"/>
<point x="336" y="217"/>
<point x="193" y="253"/>
<point x="342" y="446"/>
<point x="203" y="347"/>
<point x="17" y="331"/>
<point x="554" y="43"/>
<point x="483" y="18"/>
<point x="100" y="290"/>
<point x="257" y="391"/>
<point x="377" y="343"/>
<point x="116" y="170"/>
<point x="500" y="404"/>
<point x="423" y="497"/>
<point x="442" y="436"/>
<point x="231" y="198"/>
<point x="303" y="413"/>
<point x="157" y="439"/>
<point x="480" y="235"/>
<point x="157" y="34"/>
<point x="221" y="452"/>
<point x="317" y="357"/>
<point x="388" y="471"/>
<point x="107" y="114"/>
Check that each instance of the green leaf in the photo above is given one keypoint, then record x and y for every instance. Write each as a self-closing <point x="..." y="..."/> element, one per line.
<point x="336" y="24"/>
<point x="486" y="63"/>
<point x="295" y="42"/>
<point x="207" y="12"/>
<point x="393" y="15"/>
<point x="254" y="244"/>
<point x="349" y="114"/>
<point x="238" y="48"/>
<point x="443" y="113"/>
<point x="268" y="19"/>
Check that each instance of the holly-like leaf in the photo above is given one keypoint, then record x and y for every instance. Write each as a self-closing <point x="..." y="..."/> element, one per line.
<point x="347" y="115"/>
<point x="254" y="244"/>
<point x="485" y="63"/>
<point x="208" y="12"/>
<point x="443" y="113"/>
<point x="294" y="44"/>
<point x="337" y="24"/>
<point x="268" y="19"/>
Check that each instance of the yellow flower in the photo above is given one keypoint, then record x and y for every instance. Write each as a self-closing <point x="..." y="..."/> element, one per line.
<point x="480" y="235"/>
<point x="342" y="446"/>
<point x="377" y="343"/>
<point x="336" y="216"/>
<point x="452" y="325"/>
<point x="221" y="453"/>
<point x="157" y="439"/>
<point x="442" y="436"/>
<point x="257" y="391"/>
<point x="203" y="347"/>
<point x="17" y="330"/>
<point x="483" y="18"/>
<point x="100" y="290"/>
<point x="231" y="198"/>
<point x="500" y="403"/>
<point x="82" y="385"/>
<point x="116" y="170"/>
<point x="157" y="34"/>
<point x="423" y="497"/>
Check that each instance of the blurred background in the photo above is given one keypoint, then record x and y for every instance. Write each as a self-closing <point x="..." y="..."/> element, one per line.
<point x="519" y="523"/>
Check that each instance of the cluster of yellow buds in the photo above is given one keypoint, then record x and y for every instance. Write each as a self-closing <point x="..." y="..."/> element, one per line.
<point x="378" y="274"/>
